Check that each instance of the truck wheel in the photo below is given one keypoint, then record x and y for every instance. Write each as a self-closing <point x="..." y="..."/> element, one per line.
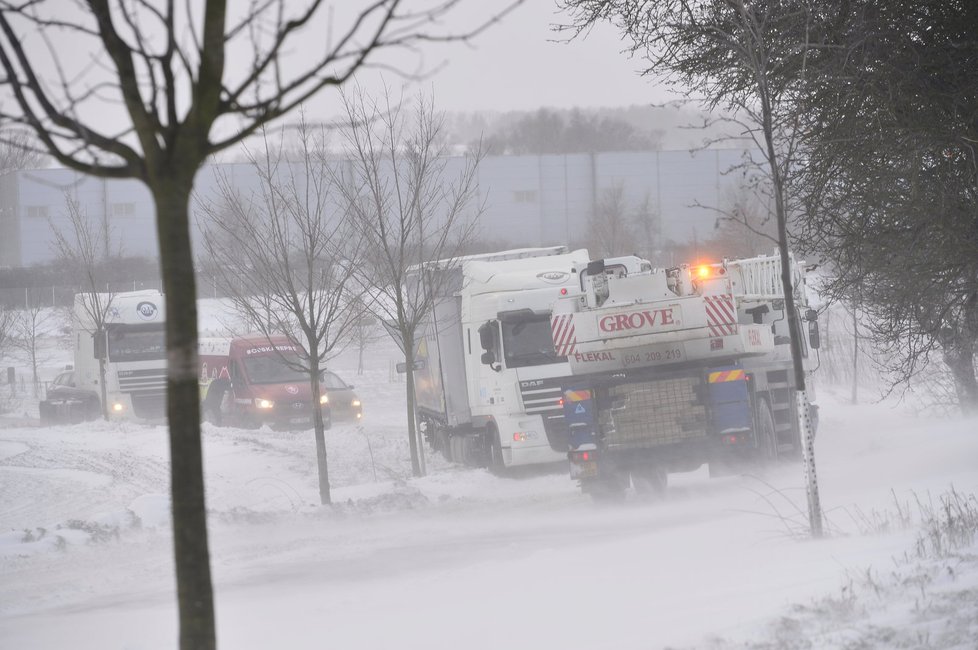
<point x="46" y="412"/>
<point x="454" y="452"/>
<point x="442" y="442"/>
<point x="608" y="489"/>
<point x="650" y="481"/>
<point x="496" y="464"/>
<point x="767" y="437"/>
<point x="91" y="410"/>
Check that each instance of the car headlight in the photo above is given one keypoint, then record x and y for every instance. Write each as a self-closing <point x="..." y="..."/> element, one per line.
<point x="323" y="400"/>
<point x="355" y="402"/>
<point x="264" y="403"/>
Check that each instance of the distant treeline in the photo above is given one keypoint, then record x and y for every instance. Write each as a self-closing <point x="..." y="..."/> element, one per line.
<point x="579" y="130"/>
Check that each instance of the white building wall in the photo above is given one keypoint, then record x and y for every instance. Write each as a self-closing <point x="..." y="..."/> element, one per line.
<point x="529" y="200"/>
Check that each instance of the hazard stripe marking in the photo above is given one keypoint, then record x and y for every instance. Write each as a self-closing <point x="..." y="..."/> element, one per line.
<point x="721" y="316"/>
<point x="577" y="395"/>
<point x="726" y="375"/>
<point x="562" y="329"/>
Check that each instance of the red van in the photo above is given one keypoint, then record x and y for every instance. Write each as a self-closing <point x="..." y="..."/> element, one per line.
<point x="248" y="381"/>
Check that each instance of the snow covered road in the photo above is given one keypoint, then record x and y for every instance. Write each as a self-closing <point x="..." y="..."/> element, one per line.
<point x="459" y="559"/>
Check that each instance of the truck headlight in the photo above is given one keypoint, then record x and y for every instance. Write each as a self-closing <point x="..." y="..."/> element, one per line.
<point x="117" y="407"/>
<point x="355" y="402"/>
<point x="323" y="400"/>
<point x="264" y="403"/>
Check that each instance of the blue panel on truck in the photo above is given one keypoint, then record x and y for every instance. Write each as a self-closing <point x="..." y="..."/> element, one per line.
<point x="730" y="399"/>
<point x="579" y="416"/>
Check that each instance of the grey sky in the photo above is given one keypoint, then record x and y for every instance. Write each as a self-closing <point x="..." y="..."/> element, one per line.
<point x="517" y="65"/>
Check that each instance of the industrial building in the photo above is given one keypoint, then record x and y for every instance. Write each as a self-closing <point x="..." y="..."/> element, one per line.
<point x="529" y="200"/>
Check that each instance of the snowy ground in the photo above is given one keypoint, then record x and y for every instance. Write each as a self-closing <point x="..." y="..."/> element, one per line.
<point x="463" y="559"/>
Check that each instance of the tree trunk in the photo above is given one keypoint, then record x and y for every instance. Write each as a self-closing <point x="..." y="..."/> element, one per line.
<point x="960" y="359"/>
<point x="855" y="356"/>
<point x="408" y="341"/>
<point x="34" y="378"/>
<point x="101" y="380"/>
<point x="318" y="424"/>
<point x="794" y="323"/>
<point x="190" y="546"/>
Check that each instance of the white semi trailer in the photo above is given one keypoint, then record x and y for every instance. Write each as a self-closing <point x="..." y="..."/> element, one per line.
<point x="488" y="382"/>
<point x="132" y="342"/>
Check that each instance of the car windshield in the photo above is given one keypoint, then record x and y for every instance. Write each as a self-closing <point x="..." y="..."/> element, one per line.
<point x="130" y="344"/>
<point x="332" y="381"/>
<point x="529" y="343"/>
<point x="275" y="368"/>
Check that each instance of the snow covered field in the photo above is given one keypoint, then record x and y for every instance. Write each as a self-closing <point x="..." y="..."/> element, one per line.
<point x="463" y="559"/>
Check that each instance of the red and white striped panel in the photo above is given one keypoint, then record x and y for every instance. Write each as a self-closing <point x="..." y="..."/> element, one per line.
<point x="721" y="315"/>
<point x="562" y="329"/>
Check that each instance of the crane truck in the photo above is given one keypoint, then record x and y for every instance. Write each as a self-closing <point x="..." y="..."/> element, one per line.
<point x="488" y="382"/>
<point x="674" y="368"/>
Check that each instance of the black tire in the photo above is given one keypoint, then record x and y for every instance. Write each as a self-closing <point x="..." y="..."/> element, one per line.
<point x="494" y="452"/>
<point x="454" y="451"/>
<point x="607" y="489"/>
<point x="46" y="413"/>
<point x="441" y="441"/>
<point x="767" y="437"/>
<point x="91" y="410"/>
<point x="650" y="481"/>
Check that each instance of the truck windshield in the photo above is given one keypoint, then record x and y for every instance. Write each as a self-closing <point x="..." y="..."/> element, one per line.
<point x="136" y="344"/>
<point x="273" y="369"/>
<point x="529" y="343"/>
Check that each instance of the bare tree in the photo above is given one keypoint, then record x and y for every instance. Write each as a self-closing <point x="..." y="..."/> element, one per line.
<point x="8" y="323"/>
<point x="286" y="259"/>
<point x="748" y="58"/>
<point x="365" y="331"/>
<point x="160" y="70"/>
<point x="19" y="151"/>
<point x="82" y="252"/>
<point x="31" y="325"/>
<point x="648" y="222"/>
<point x="746" y="224"/>
<point x="892" y="174"/>
<point x="411" y="209"/>
<point x="610" y="228"/>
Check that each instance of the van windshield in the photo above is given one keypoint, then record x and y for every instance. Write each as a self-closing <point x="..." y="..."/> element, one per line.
<point x="529" y="343"/>
<point x="275" y="368"/>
